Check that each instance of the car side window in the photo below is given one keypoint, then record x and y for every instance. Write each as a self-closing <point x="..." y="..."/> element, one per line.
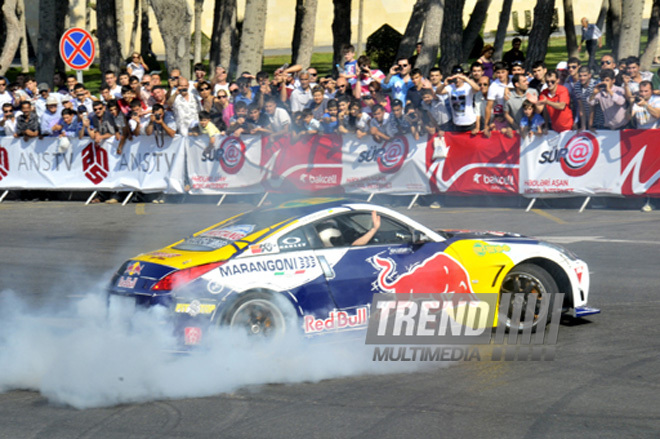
<point x="343" y="230"/>
<point x="294" y="241"/>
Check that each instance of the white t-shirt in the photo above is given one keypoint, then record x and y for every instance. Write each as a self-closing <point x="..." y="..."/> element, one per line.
<point x="462" y="108"/>
<point x="496" y="93"/>
<point x="279" y="119"/>
<point x="642" y="117"/>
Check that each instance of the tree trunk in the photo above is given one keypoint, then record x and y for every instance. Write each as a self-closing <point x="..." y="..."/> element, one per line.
<point x="431" y="36"/>
<point x="174" y="19"/>
<point x="13" y="30"/>
<point x="20" y="11"/>
<point x="652" y="45"/>
<point x="451" y="48"/>
<point x="251" y="51"/>
<point x="569" y="29"/>
<point x="52" y="14"/>
<point x="502" y="26"/>
<point x="473" y="27"/>
<point x="106" y="32"/>
<point x="341" y="30"/>
<point x="602" y="15"/>
<point x="224" y="27"/>
<point x="302" y="45"/>
<point x="145" y="33"/>
<point x="121" y="34"/>
<point x="631" y="27"/>
<point x="413" y="29"/>
<point x="197" y="50"/>
<point x="614" y="26"/>
<point x="88" y="14"/>
<point x="136" y="21"/>
<point x="540" y="33"/>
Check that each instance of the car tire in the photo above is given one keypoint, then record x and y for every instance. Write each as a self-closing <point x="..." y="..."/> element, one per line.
<point x="260" y="314"/>
<point x="528" y="279"/>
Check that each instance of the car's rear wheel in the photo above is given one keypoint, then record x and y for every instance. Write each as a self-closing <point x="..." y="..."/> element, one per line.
<point x="258" y="315"/>
<point x="527" y="283"/>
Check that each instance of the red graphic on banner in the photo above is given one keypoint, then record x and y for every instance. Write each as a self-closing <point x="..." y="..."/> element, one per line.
<point x="476" y="164"/>
<point x="640" y="162"/>
<point x="4" y="163"/>
<point x="232" y="155"/>
<point x="311" y="164"/>
<point x="581" y="154"/>
<point x="95" y="163"/>
<point x="395" y="152"/>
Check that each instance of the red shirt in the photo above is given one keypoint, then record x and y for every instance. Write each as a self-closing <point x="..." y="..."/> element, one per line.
<point x="562" y="120"/>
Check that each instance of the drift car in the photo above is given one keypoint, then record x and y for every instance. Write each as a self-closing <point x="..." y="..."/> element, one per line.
<point x="258" y="269"/>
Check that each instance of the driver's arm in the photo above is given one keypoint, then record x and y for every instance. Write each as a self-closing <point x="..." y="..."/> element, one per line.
<point x="364" y="239"/>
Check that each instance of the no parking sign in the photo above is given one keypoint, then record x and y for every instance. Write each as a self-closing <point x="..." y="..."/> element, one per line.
<point x="77" y="48"/>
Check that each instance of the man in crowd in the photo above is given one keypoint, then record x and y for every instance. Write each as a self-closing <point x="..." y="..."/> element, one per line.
<point x="582" y="91"/>
<point x="27" y="124"/>
<point x="497" y="94"/>
<point x="645" y="107"/>
<point x="611" y="99"/>
<point x="301" y="96"/>
<point x="186" y="108"/>
<point x="591" y="36"/>
<point x="515" y="54"/>
<point x="398" y="80"/>
<point x="513" y="108"/>
<point x="111" y="81"/>
<point x="554" y="102"/>
<point x="539" y="71"/>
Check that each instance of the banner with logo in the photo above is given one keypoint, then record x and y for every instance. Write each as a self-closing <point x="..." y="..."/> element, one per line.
<point x="571" y="163"/>
<point x="640" y="162"/>
<point x="346" y="164"/>
<point x="474" y="164"/>
<point x="84" y="165"/>
<point x="233" y="165"/>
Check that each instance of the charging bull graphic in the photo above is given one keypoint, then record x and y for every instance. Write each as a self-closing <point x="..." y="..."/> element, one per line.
<point x="437" y="274"/>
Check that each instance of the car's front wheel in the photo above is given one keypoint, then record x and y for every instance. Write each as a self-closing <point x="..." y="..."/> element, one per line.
<point x="528" y="283"/>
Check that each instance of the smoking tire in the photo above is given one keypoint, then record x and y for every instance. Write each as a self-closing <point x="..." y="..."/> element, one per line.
<point x="258" y="314"/>
<point x="522" y="282"/>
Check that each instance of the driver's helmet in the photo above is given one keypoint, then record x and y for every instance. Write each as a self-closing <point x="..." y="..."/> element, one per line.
<point x="329" y="233"/>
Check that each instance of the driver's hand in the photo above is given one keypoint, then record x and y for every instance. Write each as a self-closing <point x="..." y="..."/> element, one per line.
<point x="375" y="219"/>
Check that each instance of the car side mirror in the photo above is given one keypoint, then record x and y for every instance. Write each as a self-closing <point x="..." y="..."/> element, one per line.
<point x="418" y="239"/>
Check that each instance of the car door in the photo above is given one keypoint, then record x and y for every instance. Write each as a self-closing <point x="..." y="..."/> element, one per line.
<point x="356" y="273"/>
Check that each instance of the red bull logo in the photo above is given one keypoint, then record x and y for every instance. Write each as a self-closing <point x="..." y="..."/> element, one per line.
<point x="437" y="274"/>
<point x="134" y="269"/>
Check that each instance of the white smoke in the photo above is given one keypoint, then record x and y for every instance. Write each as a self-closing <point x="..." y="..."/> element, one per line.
<point x="80" y="356"/>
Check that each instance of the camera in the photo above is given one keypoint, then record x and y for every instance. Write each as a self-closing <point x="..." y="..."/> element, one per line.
<point x="157" y="116"/>
<point x="397" y="69"/>
<point x="364" y="69"/>
<point x="638" y="99"/>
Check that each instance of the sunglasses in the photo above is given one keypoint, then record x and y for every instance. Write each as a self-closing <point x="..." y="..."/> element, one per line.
<point x="146" y="83"/>
<point x="173" y="78"/>
<point x="313" y="74"/>
<point x="222" y="96"/>
<point x="181" y="89"/>
<point x="8" y="111"/>
<point x="606" y="62"/>
<point x="136" y="57"/>
<point x="402" y="65"/>
<point x="80" y="95"/>
<point x="551" y="82"/>
<point x="204" y="89"/>
<point x="96" y="110"/>
<point x="572" y="67"/>
<point x="233" y="91"/>
<point x="3" y="85"/>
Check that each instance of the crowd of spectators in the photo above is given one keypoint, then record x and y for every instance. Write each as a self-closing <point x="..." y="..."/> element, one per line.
<point x="491" y="96"/>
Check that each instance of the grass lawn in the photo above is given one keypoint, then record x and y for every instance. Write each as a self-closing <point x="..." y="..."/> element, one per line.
<point x="323" y="61"/>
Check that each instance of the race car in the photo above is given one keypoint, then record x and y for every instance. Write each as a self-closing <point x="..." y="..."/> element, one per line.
<point x="318" y="263"/>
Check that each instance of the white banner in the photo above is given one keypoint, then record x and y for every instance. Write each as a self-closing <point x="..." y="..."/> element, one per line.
<point x="570" y="163"/>
<point x="393" y="167"/>
<point x="233" y="166"/>
<point x="39" y="164"/>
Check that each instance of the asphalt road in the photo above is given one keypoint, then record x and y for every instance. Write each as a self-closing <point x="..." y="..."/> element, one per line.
<point x="604" y="381"/>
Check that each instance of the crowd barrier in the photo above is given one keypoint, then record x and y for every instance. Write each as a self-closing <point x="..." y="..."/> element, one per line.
<point x="608" y="163"/>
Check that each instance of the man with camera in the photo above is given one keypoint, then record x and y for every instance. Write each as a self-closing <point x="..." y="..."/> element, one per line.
<point x="612" y="101"/>
<point x="398" y="80"/>
<point x="645" y="108"/>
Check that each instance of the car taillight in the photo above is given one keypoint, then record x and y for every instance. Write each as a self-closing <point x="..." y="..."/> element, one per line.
<point x="181" y="277"/>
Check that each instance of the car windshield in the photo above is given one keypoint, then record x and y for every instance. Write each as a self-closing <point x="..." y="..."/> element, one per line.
<point x="235" y="230"/>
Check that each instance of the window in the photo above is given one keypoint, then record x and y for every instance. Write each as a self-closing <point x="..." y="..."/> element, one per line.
<point x="343" y="230"/>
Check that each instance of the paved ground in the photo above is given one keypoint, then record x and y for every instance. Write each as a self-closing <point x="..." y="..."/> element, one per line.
<point x="604" y="381"/>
